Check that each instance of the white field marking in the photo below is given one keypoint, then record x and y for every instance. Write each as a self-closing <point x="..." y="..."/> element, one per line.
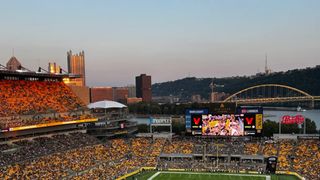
<point x="195" y="173"/>
<point x="153" y="176"/>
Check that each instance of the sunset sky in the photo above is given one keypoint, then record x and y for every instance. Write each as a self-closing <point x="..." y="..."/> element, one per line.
<point x="167" y="39"/>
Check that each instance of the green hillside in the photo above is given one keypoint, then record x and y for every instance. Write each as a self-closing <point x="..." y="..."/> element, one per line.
<point x="305" y="79"/>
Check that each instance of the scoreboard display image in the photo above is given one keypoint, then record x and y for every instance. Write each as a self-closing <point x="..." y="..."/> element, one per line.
<point x="249" y="122"/>
<point x="222" y="125"/>
<point x="245" y="121"/>
<point x="252" y="118"/>
<point x="196" y="124"/>
<point x="194" y="120"/>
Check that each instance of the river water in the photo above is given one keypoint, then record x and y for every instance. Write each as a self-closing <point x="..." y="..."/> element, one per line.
<point x="273" y="115"/>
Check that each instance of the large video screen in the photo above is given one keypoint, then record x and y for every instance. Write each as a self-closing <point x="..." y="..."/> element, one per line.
<point x="225" y="121"/>
<point x="253" y="120"/>
<point x="194" y="120"/>
<point x="222" y="125"/>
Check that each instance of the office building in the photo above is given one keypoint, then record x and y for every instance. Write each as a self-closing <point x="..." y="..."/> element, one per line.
<point x="120" y="94"/>
<point x="76" y="65"/>
<point x="101" y="94"/>
<point x="143" y="87"/>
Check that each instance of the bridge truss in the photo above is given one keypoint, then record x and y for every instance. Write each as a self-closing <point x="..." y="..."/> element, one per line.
<point x="271" y="93"/>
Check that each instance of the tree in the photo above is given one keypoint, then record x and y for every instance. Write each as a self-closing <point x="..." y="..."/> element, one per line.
<point x="290" y="128"/>
<point x="311" y="127"/>
<point x="270" y="127"/>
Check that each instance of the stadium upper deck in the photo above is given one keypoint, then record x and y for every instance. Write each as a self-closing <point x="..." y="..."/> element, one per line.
<point x="35" y="100"/>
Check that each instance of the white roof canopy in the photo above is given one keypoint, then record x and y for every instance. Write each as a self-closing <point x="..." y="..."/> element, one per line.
<point x="106" y="105"/>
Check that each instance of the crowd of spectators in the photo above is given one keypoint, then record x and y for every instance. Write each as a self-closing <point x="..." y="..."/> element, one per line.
<point x="226" y="147"/>
<point x="184" y="146"/>
<point x="79" y="156"/>
<point x="252" y="148"/>
<point x="21" y="100"/>
<point x="111" y="159"/>
<point x="5" y="146"/>
<point x="198" y="149"/>
<point x="270" y="149"/>
<point x="18" y="121"/>
<point x="24" y="150"/>
<point x="285" y="152"/>
<point x="176" y="163"/>
<point x="306" y="159"/>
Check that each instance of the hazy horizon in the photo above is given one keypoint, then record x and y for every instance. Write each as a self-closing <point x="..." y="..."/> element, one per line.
<point x="169" y="39"/>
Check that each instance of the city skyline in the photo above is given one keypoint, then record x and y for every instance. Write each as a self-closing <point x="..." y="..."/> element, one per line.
<point x="168" y="40"/>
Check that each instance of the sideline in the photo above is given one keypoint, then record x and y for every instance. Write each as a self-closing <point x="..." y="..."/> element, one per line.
<point x="195" y="173"/>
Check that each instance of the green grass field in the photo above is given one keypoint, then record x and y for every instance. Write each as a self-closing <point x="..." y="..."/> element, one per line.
<point x="163" y="175"/>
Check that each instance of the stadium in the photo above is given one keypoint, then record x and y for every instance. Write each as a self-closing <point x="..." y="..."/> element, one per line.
<point x="48" y="133"/>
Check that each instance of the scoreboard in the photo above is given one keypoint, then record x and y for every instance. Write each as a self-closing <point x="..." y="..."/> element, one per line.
<point x="241" y="121"/>
<point x="252" y="119"/>
<point x="194" y="120"/>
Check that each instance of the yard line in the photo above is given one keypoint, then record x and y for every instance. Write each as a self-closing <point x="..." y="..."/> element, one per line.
<point x="153" y="176"/>
<point x="268" y="178"/>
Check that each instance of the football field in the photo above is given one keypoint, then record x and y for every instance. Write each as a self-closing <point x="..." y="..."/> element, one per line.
<point x="165" y="175"/>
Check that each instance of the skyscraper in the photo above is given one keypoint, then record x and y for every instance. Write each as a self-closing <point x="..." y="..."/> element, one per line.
<point x="76" y="65"/>
<point x="53" y="68"/>
<point x="143" y="87"/>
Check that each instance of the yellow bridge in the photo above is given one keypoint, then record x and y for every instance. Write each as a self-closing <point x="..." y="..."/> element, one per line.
<point x="271" y="93"/>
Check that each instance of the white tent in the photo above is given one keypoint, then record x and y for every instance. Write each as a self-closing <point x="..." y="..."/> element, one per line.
<point x="106" y="105"/>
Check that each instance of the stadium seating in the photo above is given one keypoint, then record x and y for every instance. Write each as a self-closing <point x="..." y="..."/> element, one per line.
<point x="26" y="97"/>
<point x="252" y="148"/>
<point x="270" y="149"/>
<point x="285" y="150"/>
<point x="79" y="156"/>
<point x="179" y="146"/>
<point x="307" y="158"/>
<point x="41" y="146"/>
<point x="21" y="98"/>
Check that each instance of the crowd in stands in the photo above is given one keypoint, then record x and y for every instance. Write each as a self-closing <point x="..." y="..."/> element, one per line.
<point x="18" y="121"/>
<point x="301" y="156"/>
<point x="270" y="149"/>
<point x="306" y="158"/>
<point x="285" y="151"/>
<point x="176" y="163"/>
<point x="198" y="149"/>
<point x="32" y="148"/>
<point x="110" y="160"/>
<point x="4" y="147"/>
<point x="79" y="156"/>
<point x="20" y="98"/>
<point x="183" y="146"/>
<point x="225" y="147"/>
<point x="252" y="148"/>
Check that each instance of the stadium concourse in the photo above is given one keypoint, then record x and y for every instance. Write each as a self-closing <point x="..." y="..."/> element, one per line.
<point x="73" y="154"/>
